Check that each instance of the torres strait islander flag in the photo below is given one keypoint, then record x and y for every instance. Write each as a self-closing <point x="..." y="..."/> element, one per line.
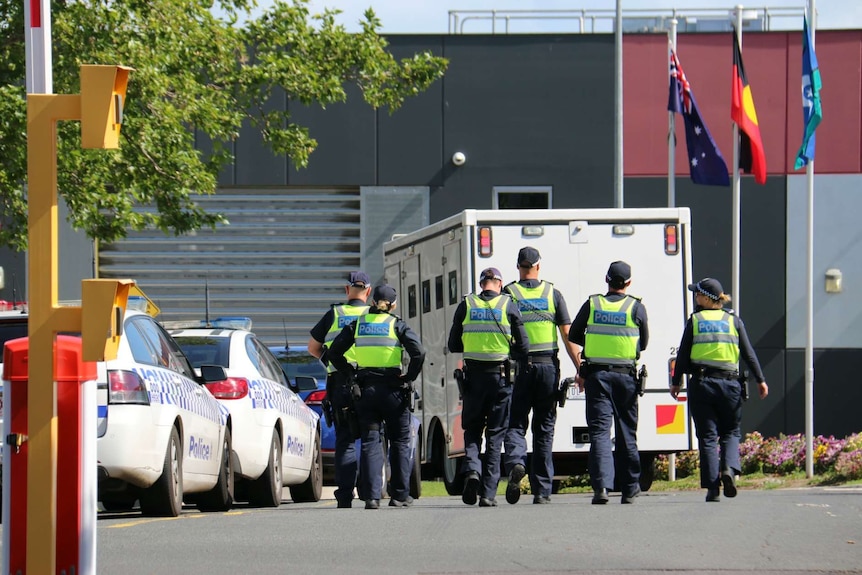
<point x="752" y="158"/>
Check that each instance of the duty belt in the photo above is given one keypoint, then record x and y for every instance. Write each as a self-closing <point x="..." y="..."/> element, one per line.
<point x="540" y="359"/>
<point x="595" y="367"/>
<point x="484" y="366"/>
<point x="714" y="373"/>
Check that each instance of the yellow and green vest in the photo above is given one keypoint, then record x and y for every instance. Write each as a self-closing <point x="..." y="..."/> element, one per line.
<point x="715" y="340"/>
<point x="613" y="337"/>
<point x="537" y="309"/>
<point x="487" y="332"/>
<point x="375" y="341"/>
<point x="342" y="315"/>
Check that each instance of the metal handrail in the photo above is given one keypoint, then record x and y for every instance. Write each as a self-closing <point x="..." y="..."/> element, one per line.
<point x="587" y="19"/>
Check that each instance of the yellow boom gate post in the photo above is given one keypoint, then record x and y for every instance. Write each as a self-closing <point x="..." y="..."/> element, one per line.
<point x="99" y="107"/>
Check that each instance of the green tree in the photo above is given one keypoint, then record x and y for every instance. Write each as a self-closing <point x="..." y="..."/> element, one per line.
<point x="196" y="72"/>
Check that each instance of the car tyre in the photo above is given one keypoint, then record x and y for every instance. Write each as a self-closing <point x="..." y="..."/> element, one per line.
<point x="164" y="498"/>
<point x="312" y="488"/>
<point x="220" y="497"/>
<point x="265" y="491"/>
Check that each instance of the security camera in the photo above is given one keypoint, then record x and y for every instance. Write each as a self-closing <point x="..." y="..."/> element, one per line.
<point x="459" y="159"/>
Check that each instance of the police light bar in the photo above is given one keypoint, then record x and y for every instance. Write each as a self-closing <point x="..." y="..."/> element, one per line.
<point x="237" y="322"/>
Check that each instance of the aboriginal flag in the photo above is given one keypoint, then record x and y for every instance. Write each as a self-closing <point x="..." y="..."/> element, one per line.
<point x="752" y="159"/>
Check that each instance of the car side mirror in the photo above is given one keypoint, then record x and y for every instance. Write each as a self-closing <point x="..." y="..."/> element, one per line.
<point x="211" y="373"/>
<point x="305" y="383"/>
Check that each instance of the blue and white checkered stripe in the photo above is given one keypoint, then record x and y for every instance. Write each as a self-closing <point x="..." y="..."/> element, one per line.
<point x="264" y="396"/>
<point x="170" y="388"/>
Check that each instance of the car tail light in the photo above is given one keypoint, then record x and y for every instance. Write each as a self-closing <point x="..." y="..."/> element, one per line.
<point x="127" y="387"/>
<point x="230" y="388"/>
<point x="315" y="397"/>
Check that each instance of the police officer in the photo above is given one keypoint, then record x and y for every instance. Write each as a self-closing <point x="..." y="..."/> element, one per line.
<point x="612" y="330"/>
<point x="323" y="333"/>
<point x="543" y="310"/>
<point x="486" y="328"/>
<point x="713" y="340"/>
<point x="377" y="339"/>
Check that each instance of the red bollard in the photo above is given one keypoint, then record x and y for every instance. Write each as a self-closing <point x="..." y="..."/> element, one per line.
<point x="15" y="357"/>
<point x="70" y="372"/>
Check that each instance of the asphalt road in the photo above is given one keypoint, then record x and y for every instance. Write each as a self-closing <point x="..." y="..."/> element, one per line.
<point x="799" y="531"/>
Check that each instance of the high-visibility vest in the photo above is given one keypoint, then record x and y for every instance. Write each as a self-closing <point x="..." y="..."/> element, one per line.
<point x="538" y="312"/>
<point x="612" y="337"/>
<point x="342" y="315"/>
<point x="375" y="341"/>
<point x="715" y="340"/>
<point x="486" y="329"/>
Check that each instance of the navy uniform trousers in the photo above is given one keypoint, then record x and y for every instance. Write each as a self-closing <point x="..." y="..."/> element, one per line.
<point x="716" y="407"/>
<point x="383" y="402"/>
<point x="535" y="389"/>
<point x="346" y="468"/>
<point x="487" y="399"/>
<point x="612" y="398"/>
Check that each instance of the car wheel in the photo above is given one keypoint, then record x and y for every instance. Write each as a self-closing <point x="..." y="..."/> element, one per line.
<point x="164" y="498"/>
<point x="220" y="498"/>
<point x="416" y="477"/>
<point x="647" y="471"/>
<point x="312" y="488"/>
<point x="265" y="491"/>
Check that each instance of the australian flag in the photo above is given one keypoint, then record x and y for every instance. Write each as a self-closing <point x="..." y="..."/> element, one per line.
<point x="705" y="162"/>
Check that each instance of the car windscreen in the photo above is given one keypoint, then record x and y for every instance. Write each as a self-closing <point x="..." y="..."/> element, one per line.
<point x="203" y="350"/>
<point x="300" y="363"/>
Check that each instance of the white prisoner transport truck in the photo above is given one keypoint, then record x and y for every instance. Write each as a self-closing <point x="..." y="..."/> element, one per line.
<point x="434" y="267"/>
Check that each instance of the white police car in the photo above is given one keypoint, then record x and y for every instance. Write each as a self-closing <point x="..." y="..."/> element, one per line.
<point x="162" y="436"/>
<point x="276" y="435"/>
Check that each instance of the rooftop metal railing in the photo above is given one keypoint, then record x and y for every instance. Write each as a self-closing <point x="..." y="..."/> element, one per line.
<point x="600" y="21"/>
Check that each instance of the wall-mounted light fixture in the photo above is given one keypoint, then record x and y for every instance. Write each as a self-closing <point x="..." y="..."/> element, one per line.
<point x="833" y="281"/>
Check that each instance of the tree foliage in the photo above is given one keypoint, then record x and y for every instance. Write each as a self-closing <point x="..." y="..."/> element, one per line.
<point x="199" y="72"/>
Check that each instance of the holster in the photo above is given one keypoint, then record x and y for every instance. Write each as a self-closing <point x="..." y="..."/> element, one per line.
<point x="347" y="416"/>
<point x="743" y="383"/>
<point x="461" y="381"/>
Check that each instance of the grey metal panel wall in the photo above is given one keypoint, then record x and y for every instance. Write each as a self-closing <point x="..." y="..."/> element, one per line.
<point x="837" y="205"/>
<point x="523" y="113"/>
<point x="255" y="163"/>
<point x="410" y="141"/>
<point x="837" y="393"/>
<point x="347" y="150"/>
<point x="386" y="211"/>
<point x="282" y="260"/>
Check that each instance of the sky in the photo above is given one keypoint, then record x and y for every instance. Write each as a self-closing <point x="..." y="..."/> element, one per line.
<point x="432" y="16"/>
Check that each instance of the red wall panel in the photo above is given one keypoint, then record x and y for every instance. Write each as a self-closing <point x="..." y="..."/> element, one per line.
<point x="773" y="67"/>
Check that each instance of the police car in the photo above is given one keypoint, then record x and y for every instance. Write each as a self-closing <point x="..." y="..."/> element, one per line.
<point x="162" y="436"/>
<point x="277" y="437"/>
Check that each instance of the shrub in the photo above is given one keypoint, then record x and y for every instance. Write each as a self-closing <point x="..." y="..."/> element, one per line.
<point x="848" y="464"/>
<point x="749" y="452"/>
<point x="826" y="452"/>
<point x="783" y="454"/>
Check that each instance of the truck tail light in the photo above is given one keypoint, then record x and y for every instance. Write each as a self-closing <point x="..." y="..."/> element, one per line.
<point x="315" y="397"/>
<point x="671" y="239"/>
<point x="230" y="388"/>
<point x="126" y="387"/>
<point x="486" y="245"/>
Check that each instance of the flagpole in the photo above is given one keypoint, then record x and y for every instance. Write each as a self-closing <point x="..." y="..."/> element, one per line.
<point x="809" y="344"/>
<point x="735" y="248"/>
<point x="618" y="108"/>
<point x="671" y="129"/>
